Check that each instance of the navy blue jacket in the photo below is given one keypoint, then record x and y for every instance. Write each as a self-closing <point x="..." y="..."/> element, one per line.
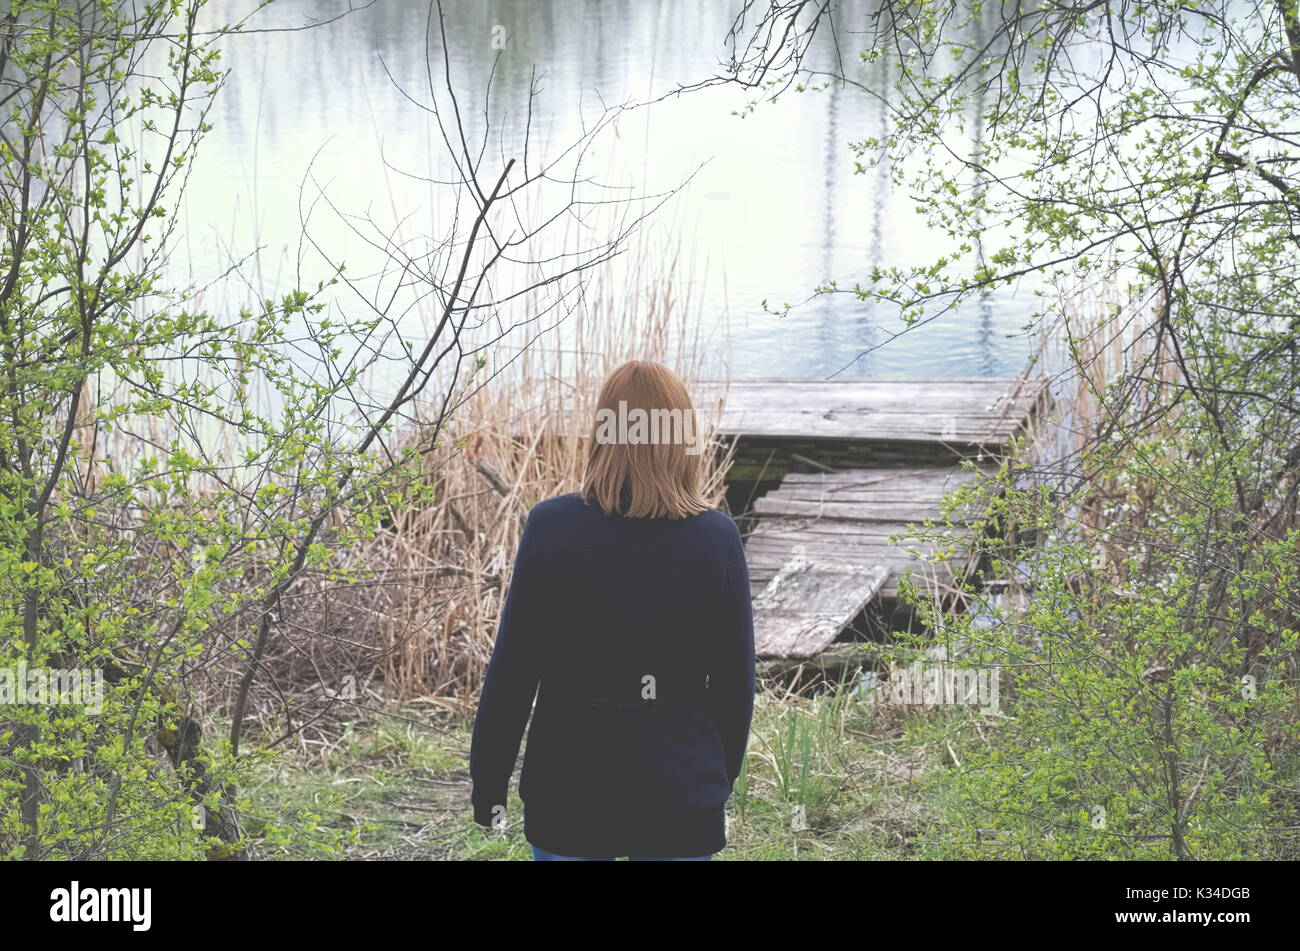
<point x="636" y="637"/>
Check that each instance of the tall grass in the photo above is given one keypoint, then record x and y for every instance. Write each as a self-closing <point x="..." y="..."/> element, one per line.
<point x="517" y="431"/>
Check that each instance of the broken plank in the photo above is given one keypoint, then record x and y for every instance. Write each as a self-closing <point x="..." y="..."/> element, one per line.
<point x="808" y="602"/>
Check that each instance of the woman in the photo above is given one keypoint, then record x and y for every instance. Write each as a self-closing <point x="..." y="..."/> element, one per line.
<point x="628" y="616"/>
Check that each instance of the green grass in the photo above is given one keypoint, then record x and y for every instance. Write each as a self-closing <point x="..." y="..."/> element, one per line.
<point x="394" y="786"/>
<point x="827" y="778"/>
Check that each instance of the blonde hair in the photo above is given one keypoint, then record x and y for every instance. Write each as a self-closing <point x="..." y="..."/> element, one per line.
<point x="663" y="477"/>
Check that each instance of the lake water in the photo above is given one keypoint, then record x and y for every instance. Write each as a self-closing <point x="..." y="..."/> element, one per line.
<point x="775" y="210"/>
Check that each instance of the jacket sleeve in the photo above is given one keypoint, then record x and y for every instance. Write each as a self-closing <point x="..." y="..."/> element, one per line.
<point x="510" y="685"/>
<point x="731" y="667"/>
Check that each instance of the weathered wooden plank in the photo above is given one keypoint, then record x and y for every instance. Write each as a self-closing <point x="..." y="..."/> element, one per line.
<point x="778" y="531"/>
<point x="832" y="660"/>
<point x="764" y="563"/>
<point x="890" y="446"/>
<point x="906" y="440"/>
<point x="829" y="531"/>
<point x="780" y="419"/>
<point x="894" y="557"/>
<point x="879" y="550"/>
<point x="868" y="550"/>
<point x="872" y="427"/>
<point x="937" y="413"/>
<point x="889" y="591"/>
<point x="983" y="390"/>
<point x="942" y="574"/>
<point x="864" y="495"/>
<point x="894" y="572"/>
<point x="966" y="412"/>
<point x="807" y="602"/>
<point x="927" y="495"/>
<point x="896" y="567"/>
<point x="768" y="506"/>
<point x="849" y="516"/>
<point x="910" y="475"/>
<point x="956" y="403"/>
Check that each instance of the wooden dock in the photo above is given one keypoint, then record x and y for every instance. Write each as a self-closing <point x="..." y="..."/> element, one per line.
<point x="838" y="467"/>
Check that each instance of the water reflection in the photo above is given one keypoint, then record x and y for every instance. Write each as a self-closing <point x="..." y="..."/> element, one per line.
<point x="776" y="210"/>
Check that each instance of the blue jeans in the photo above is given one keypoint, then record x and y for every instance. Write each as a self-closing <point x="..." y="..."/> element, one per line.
<point x="541" y="855"/>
